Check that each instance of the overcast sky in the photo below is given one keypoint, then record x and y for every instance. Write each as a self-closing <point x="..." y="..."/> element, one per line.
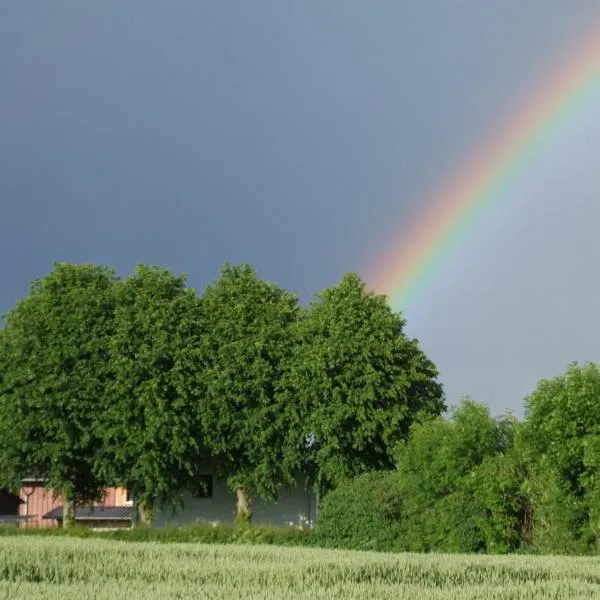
<point x="302" y="137"/>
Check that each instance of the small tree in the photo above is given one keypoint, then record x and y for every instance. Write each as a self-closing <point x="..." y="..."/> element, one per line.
<point x="250" y="428"/>
<point x="360" y="382"/>
<point x="151" y="441"/>
<point x="363" y="513"/>
<point x="55" y="373"/>
<point x="457" y="483"/>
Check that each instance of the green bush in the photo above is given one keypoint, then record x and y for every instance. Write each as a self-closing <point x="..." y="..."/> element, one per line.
<point x="362" y="514"/>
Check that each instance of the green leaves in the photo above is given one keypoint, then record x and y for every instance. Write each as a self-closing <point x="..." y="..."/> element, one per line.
<point x="461" y="483"/>
<point x="55" y="373"/>
<point x="363" y="513"/>
<point x="141" y="382"/>
<point x="561" y="441"/>
<point x="472" y="483"/>
<point x="151" y="441"/>
<point x="360" y="382"/>
<point x="248" y="339"/>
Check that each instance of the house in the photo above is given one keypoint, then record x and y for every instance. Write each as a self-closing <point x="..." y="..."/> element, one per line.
<point x="37" y="506"/>
<point x="295" y="507"/>
<point x="40" y="507"/>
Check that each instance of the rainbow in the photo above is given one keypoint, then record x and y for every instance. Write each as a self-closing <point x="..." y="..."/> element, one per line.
<point x="410" y="263"/>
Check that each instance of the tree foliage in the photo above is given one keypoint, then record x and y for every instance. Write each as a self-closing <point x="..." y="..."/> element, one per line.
<point x="151" y="441"/>
<point x="360" y="382"/>
<point x="461" y="492"/>
<point x="363" y="513"/>
<point x="562" y="433"/>
<point x="248" y="338"/>
<point x="55" y="373"/>
<point x="141" y="382"/>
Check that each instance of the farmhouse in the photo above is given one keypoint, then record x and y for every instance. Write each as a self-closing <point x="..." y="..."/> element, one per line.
<point x="295" y="507"/>
<point x="38" y="506"/>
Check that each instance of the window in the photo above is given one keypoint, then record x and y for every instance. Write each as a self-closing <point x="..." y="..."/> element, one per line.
<point x="129" y="496"/>
<point x="204" y="487"/>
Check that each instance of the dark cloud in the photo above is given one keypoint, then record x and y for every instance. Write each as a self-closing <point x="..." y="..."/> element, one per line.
<point x="298" y="137"/>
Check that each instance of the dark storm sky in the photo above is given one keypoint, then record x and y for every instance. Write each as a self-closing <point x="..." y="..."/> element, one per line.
<point x="299" y="137"/>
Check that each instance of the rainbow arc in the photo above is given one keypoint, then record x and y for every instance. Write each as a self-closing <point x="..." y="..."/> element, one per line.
<point x="407" y="266"/>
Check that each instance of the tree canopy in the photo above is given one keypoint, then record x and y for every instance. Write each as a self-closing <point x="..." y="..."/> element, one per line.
<point x="143" y="382"/>
<point x="150" y="439"/>
<point x="561" y="442"/>
<point x="451" y="474"/>
<point x="55" y="374"/>
<point x="360" y="382"/>
<point x="248" y="338"/>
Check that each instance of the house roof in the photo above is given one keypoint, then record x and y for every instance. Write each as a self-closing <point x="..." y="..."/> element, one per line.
<point x="95" y="513"/>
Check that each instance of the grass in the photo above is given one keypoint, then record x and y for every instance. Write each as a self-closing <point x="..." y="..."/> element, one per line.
<point x="69" y="568"/>
<point x="194" y="534"/>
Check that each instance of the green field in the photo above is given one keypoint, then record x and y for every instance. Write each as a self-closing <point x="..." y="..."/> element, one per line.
<point x="71" y="568"/>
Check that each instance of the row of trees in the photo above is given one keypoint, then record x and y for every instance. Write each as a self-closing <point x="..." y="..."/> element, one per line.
<point x="138" y="381"/>
<point x="473" y="483"/>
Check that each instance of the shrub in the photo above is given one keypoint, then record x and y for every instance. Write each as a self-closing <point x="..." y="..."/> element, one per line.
<point x="362" y="513"/>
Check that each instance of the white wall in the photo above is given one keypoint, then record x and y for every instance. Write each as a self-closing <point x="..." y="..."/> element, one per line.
<point x="295" y="506"/>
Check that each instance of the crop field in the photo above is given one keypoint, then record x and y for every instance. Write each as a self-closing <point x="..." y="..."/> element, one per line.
<point x="71" y="568"/>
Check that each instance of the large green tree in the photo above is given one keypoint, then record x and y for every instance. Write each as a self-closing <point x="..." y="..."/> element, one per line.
<point x="360" y="382"/>
<point x="151" y="442"/>
<point x="55" y="376"/>
<point x="562" y="433"/>
<point x="248" y="424"/>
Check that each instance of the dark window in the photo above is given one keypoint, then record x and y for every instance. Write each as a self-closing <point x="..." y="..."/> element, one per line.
<point x="9" y="503"/>
<point x="129" y="495"/>
<point x="204" y="487"/>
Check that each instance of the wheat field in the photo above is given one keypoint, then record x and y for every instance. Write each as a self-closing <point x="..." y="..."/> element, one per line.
<point x="70" y="568"/>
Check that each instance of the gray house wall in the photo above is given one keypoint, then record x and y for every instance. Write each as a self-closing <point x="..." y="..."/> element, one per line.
<point x="295" y="506"/>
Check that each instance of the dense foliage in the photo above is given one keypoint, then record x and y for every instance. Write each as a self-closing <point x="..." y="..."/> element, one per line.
<point x="55" y="373"/>
<point x="360" y="381"/>
<point x="250" y="430"/>
<point x="150" y="441"/>
<point x="142" y="382"/>
<point x="562" y="439"/>
<point x="363" y="513"/>
<point x="459" y="492"/>
<point x="472" y="483"/>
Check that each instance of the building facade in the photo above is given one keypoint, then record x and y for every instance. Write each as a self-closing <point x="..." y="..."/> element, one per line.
<point x="295" y="507"/>
<point x="38" y="506"/>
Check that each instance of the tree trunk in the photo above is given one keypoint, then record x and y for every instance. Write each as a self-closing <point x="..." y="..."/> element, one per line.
<point x="526" y="524"/>
<point x="146" y="514"/>
<point x="68" y="513"/>
<point x="244" y="508"/>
